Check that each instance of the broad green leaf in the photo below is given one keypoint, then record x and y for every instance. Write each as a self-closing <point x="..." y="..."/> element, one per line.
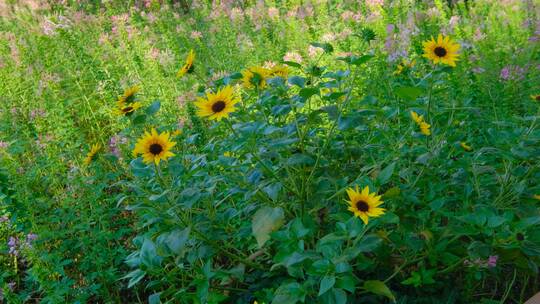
<point x="385" y="175"/>
<point x="327" y="47"/>
<point x="289" y="293"/>
<point x="495" y="221"/>
<point x="408" y="93"/>
<point x="298" y="81"/>
<point x="176" y="240"/>
<point x="300" y="159"/>
<point x="153" y="108"/>
<point x="265" y="221"/>
<point x="139" y="119"/>
<point x="327" y="282"/>
<point x="293" y="64"/>
<point x="308" y="92"/>
<point x="149" y="255"/>
<point x="334" y="296"/>
<point x="154" y="298"/>
<point x="379" y="288"/>
<point x="273" y="190"/>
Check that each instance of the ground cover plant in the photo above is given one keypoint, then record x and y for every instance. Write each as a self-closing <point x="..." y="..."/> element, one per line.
<point x="269" y="151"/>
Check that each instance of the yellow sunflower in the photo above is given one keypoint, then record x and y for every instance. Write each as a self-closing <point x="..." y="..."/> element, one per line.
<point x="443" y="50"/>
<point x="255" y="77"/>
<point x="91" y="154"/>
<point x="129" y="95"/>
<point x="154" y="147"/>
<point x="123" y="108"/>
<point x="535" y="97"/>
<point x="364" y="204"/>
<point x="465" y="146"/>
<point x="188" y="67"/>
<point x="279" y="71"/>
<point x="417" y="118"/>
<point x="425" y="128"/>
<point x="217" y="105"/>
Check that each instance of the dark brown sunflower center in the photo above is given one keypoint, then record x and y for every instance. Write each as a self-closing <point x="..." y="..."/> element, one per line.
<point x="155" y="149"/>
<point x="362" y="206"/>
<point x="537" y="97"/>
<point x="440" y="51"/>
<point x="127" y="109"/>
<point x="218" y="106"/>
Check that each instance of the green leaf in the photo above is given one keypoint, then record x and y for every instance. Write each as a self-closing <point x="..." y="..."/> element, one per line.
<point x="153" y="108"/>
<point x="293" y="64"/>
<point x="177" y="239"/>
<point x="327" y="282"/>
<point x="415" y="280"/>
<point x="366" y="244"/>
<point x="408" y="93"/>
<point x="385" y="175"/>
<point x="289" y="293"/>
<point x="236" y="76"/>
<point x="334" y="296"/>
<point x="327" y="47"/>
<point x="154" y="298"/>
<point x="134" y="277"/>
<point x="149" y="255"/>
<point x="299" y="159"/>
<point x="308" y="92"/>
<point x="359" y="60"/>
<point x="273" y="190"/>
<point x="265" y="221"/>
<point x="139" y="119"/>
<point x="495" y="221"/>
<point x="297" y="81"/>
<point x="379" y="288"/>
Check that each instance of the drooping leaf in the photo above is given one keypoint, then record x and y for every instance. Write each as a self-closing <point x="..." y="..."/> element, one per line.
<point x="265" y="221"/>
<point x="379" y="288"/>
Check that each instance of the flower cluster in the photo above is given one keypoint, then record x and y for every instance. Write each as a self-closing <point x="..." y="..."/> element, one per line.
<point x="419" y="120"/>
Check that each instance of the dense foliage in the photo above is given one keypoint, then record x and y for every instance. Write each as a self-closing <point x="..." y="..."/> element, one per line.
<point x="237" y="152"/>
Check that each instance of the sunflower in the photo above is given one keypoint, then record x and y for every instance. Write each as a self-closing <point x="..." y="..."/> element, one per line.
<point x="188" y="67"/>
<point x="465" y="146"/>
<point x="129" y="95"/>
<point x="364" y="204"/>
<point x="123" y="108"/>
<point x="417" y="118"/>
<point x="444" y="50"/>
<point x="217" y="105"/>
<point x="91" y="154"/>
<point x="154" y="147"/>
<point x="255" y="77"/>
<point x="535" y="97"/>
<point x="279" y="71"/>
<point x="425" y="128"/>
